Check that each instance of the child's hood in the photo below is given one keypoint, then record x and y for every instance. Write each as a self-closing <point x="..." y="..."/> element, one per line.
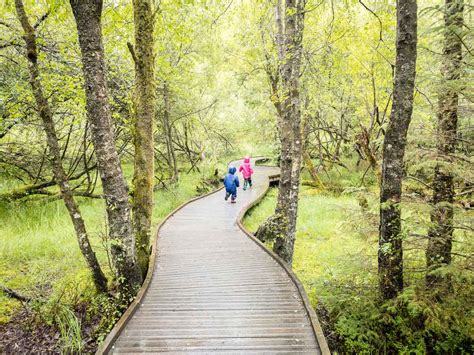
<point x="232" y="170"/>
<point x="247" y="160"/>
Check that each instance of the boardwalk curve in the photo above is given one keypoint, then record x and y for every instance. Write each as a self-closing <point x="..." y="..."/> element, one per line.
<point x="213" y="288"/>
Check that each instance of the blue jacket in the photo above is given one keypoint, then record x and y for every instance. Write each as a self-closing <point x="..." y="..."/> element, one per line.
<point x="231" y="181"/>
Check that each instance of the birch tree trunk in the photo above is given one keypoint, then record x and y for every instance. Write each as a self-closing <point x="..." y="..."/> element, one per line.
<point x="143" y="175"/>
<point x="440" y="234"/>
<point x="88" y="20"/>
<point x="44" y="111"/>
<point x="390" y="254"/>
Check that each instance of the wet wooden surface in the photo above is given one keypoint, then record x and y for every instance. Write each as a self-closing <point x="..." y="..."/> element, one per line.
<point x="214" y="290"/>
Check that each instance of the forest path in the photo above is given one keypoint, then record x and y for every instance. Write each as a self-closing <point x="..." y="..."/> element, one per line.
<point x="214" y="289"/>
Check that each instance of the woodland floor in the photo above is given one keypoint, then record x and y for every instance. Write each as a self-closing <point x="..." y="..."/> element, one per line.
<point x="24" y="333"/>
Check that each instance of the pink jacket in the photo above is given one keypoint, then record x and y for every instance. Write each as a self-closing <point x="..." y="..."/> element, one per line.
<point x="246" y="169"/>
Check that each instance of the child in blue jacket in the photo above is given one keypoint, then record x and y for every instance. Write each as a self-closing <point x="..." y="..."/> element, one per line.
<point x="231" y="183"/>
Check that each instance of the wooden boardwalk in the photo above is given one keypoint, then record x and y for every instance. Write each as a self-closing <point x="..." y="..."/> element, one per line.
<point x="214" y="289"/>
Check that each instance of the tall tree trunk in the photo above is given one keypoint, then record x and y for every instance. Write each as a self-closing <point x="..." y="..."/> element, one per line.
<point x="390" y="254"/>
<point x="46" y="115"/>
<point x="291" y="154"/>
<point x="88" y="20"/>
<point x="143" y="176"/>
<point x="282" y="225"/>
<point x="440" y="234"/>
<point x="169" y="132"/>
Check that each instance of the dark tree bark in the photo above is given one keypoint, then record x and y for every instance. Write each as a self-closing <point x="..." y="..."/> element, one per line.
<point x="88" y="20"/>
<point x="143" y="176"/>
<point x="440" y="234"/>
<point x="390" y="254"/>
<point x="282" y="225"/>
<point x="46" y="115"/>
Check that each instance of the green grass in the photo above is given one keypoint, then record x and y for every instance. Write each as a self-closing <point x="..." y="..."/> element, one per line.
<point x="39" y="248"/>
<point x="327" y="246"/>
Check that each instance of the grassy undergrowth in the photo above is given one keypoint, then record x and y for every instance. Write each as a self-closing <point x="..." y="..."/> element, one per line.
<point x="336" y="260"/>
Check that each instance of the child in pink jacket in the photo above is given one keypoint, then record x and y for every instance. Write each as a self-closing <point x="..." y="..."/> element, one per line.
<point x="247" y="172"/>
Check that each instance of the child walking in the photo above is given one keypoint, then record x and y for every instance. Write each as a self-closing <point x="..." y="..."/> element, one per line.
<point x="247" y="172"/>
<point x="231" y="183"/>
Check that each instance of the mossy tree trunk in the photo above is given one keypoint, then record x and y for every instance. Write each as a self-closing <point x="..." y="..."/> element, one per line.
<point x="390" y="253"/>
<point x="440" y="234"/>
<point x="88" y="15"/>
<point x="143" y="176"/>
<point x="281" y="227"/>
<point x="45" y="113"/>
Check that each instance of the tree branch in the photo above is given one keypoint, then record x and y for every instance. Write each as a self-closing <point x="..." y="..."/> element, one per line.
<point x="41" y="20"/>
<point x="132" y="52"/>
<point x="378" y="18"/>
<point x="13" y="294"/>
